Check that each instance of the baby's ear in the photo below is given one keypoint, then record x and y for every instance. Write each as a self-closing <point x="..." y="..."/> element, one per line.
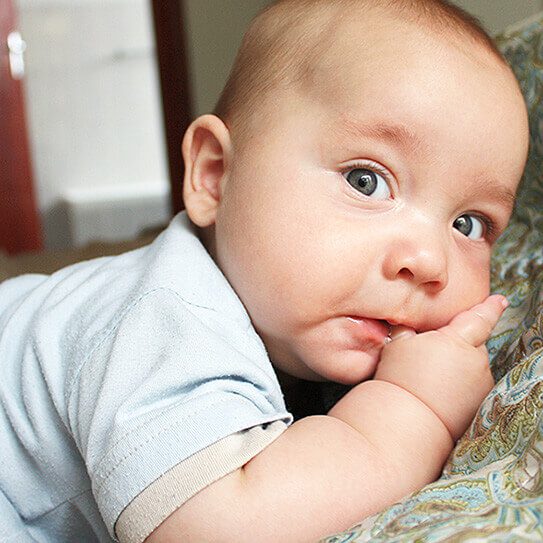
<point x="206" y="150"/>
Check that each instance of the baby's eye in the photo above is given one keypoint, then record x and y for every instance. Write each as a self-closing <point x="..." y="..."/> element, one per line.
<point x="471" y="226"/>
<point x="368" y="182"/>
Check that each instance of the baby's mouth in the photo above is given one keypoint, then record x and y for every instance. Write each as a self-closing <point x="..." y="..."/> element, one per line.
<point x="366" y="330"/>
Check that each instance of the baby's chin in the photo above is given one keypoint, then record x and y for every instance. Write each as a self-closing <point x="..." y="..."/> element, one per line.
<point x="348" y="367"/>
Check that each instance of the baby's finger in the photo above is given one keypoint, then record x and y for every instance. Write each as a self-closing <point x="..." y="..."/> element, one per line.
<point x="475" y="325"/>
<point x="401" y="332"/>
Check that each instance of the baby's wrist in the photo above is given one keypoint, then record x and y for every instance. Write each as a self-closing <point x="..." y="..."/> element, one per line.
<point x="425" y="405"/>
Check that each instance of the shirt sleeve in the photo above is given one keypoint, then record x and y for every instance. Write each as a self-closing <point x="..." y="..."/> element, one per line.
<point x="170" y="491"/>
<point x="166" y="382"/>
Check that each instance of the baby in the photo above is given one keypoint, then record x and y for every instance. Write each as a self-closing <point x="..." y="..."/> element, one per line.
<point x="341" y="208"/>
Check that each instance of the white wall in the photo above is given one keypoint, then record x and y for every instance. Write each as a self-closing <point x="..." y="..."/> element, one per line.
<point x="93" y="100"/>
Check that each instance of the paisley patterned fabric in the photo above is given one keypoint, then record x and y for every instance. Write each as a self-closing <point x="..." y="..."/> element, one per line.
<point x="491" y="488"/>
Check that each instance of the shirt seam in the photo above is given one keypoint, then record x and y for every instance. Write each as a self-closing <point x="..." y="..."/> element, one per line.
<point x="167" y="428"/>
<point x="110" y="331"/>
<point x="106" y="332"/>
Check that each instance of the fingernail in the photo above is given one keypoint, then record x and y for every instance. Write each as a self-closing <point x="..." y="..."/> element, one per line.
<point x="505" y="302"/>
<point x="395" y="336"/>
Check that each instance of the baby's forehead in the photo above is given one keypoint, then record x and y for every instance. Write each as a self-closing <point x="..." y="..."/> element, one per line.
<point x="364" y="42"/>
<point x="351" y="66"/>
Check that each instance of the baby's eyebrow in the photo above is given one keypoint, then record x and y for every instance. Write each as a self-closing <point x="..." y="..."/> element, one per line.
<point x="493" y="190"/>
<point x="397" y="135"/>
<point x="402" y="136"/>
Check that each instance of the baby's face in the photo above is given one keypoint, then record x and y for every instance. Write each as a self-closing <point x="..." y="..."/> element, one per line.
<point x="374" y="195"/>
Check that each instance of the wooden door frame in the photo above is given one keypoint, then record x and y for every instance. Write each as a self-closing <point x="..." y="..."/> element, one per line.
<point x="172" y="56"/>
<point x="20" y="228"/>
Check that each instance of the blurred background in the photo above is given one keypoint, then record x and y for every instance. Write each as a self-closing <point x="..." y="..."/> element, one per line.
<point x="94" y="99"/>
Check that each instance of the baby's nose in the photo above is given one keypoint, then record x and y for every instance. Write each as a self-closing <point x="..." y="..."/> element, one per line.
<point x="422" y="262"/>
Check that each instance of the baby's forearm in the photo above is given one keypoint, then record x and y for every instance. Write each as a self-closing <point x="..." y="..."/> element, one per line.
<point x="402" y="429"/>
<point x="409" y="438"/>
<point x="323" y="474"/>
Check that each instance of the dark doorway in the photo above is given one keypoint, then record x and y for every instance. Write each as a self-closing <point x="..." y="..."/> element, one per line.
<point x="19" y="224"/>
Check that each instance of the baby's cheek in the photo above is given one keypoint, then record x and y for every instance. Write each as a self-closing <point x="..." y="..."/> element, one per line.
<point x="469" y="289"/>
<point x="467" y="286"/>
<point x="478" y="283"/>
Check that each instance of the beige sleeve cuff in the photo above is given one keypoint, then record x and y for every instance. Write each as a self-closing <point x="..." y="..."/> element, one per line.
<point x="170" y="491"/>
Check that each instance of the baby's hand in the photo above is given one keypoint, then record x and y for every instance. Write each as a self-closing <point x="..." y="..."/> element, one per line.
<point x="446" y="368"/>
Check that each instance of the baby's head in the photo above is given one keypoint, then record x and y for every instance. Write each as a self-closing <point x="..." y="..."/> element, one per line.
<point x="364" y="158"/>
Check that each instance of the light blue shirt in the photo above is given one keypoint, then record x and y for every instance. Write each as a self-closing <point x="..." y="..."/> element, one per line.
<point x="113" y="371"/>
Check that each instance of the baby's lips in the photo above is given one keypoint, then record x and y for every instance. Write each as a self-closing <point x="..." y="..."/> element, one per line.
<point x="368" y="330"/>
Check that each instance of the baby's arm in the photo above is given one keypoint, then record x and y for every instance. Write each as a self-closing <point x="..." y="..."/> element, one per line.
<point x="386" y="438"/>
